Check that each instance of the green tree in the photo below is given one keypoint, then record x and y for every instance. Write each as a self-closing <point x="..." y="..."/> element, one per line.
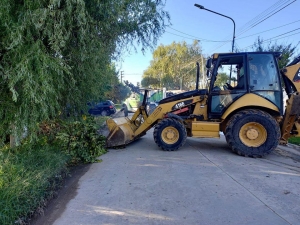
<point x="55" y="53"/>
<point x="151" y="82"/>
<point x="133" y="88"/>
<point x="173" y="66"/>
<point x="288" y="50"/>
<point x="222" y="79"/>
<point x="118" y="93"/>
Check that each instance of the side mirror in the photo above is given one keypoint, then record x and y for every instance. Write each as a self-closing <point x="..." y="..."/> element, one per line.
<point x="208" y="63"/>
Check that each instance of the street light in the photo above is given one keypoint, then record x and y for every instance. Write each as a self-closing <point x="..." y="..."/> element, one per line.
<point x="202" y="7"/>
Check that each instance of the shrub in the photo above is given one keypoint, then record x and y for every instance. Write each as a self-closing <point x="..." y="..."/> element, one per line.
<point x="31" y="173"/>
<point x="81" y="140"/>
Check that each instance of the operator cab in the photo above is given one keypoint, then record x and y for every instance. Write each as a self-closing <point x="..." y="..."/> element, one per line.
<point x="233" y="75"/>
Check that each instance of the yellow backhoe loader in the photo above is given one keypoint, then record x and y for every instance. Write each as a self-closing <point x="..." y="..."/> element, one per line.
<point x="247" y="107"/>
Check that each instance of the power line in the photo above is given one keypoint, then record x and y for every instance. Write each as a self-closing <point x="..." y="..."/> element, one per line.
<point x="245" y="36"/>
<point x="268" y="17"/>
<point x="218" y="47"/>
<point x="200" y="39"/>
<point x="286" y="33"/>
<point x="272" y="39"/>
<point x="181" y="36"/>
<point x="255" y="23"/>
<point x="255" y="20"/>
<point x="192" y="38"/>
<point x="273" y="14"/>
<point x="206" y="40"/>
<point x="260" y="16"/>
<point x="267" y="30"/>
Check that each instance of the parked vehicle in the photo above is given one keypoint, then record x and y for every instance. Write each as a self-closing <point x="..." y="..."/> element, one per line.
<point x="105" y="108"/>
<point x="151" y="106"/>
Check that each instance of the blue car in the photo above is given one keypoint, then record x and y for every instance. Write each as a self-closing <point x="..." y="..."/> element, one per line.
<point x="105" y="108"/>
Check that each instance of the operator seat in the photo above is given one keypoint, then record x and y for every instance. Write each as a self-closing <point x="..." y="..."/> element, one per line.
<point x="241" y="80"/>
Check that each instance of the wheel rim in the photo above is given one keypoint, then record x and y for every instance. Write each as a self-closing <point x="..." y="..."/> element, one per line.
<point x="253" y="134"/>
<point x="170" y="135"/>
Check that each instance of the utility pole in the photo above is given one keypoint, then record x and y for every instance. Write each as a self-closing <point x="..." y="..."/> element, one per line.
<point x="122" y="75"/>
<point x="202" y="72"/>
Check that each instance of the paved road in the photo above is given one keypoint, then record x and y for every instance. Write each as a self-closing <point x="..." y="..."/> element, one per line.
<point x="202" y="183"/>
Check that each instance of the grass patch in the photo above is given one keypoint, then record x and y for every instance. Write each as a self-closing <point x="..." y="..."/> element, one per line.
<point x="118" y="106"/>
<point x="28" y="177"/>
<point x="295" y="140"/>
<point x="100" y="120"/>
<point x="31" y="174"/>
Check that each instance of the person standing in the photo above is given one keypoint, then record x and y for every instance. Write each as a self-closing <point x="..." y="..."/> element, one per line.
<point x="125" y="109"/>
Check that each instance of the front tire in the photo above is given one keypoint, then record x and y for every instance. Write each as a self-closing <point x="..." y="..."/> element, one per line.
<point x="252" y="133"/>
<point x="169" y="134"/>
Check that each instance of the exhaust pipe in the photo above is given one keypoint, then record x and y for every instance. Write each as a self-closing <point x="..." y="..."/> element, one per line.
<point x="197" y="75"/>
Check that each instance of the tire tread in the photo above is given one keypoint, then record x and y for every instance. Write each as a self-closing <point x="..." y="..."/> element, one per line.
<point x="241" y="149"/>
<point x="165" y="123"/>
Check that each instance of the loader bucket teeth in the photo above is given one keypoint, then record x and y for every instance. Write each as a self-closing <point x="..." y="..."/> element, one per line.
<point x="120" y="132"/>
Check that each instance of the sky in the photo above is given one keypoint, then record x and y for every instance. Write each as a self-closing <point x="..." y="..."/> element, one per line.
<point x="274" y="20"/>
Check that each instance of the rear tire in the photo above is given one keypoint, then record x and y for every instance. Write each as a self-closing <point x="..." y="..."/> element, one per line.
<point x="169" y="134"/>
<point x="104" y="113"/>
<point x="252" y="133"/>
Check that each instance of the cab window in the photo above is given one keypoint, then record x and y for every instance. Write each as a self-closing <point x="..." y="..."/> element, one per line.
<point x="264" y="77"/>
<point x="263" y="73"/>
<point x="229" y="83"/>
<point x="230" y="74"/>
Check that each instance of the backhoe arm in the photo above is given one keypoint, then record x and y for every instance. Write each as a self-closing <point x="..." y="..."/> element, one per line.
<point x="291" y="120"/>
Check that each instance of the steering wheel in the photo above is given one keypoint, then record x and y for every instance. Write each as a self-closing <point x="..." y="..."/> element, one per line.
<point x="228" y="87"/>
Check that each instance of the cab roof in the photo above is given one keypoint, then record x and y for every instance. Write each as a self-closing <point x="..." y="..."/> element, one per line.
<point x="216" y="55"/>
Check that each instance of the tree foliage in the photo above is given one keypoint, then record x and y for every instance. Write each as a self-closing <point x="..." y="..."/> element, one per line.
<point x="55" y="53"/>
<point x="132" y="87"/>
<point x="288" y="50"/>
<point x="118" y="93"/>
<point x="173" y="66"/>
<point x="222" y="79"/>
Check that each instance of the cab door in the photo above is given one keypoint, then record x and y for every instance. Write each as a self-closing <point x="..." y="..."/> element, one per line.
<point x="228" y="83"/>
<point x="264" y="78"/>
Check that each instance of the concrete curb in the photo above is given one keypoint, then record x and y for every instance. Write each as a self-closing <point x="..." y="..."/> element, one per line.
<point x="296" y="147"/>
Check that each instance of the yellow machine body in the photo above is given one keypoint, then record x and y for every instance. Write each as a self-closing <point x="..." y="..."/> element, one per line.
<point x="194" y="114"/>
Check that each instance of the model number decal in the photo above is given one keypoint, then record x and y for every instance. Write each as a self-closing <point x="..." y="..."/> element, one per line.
<point x="181" y="104"/>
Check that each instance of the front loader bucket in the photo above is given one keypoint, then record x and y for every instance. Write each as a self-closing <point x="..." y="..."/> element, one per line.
<point x="121" y="132"/>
